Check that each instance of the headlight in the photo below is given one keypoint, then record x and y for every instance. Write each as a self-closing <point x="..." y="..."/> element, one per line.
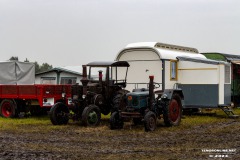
<point x="129" y="98"/>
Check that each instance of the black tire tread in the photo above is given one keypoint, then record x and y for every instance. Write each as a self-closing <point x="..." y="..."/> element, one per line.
<point x="147" y="118"/>
<point x="166" y="117"/>
<point x="85" y="113"/>
<point x="55" y="119"/>
<point x="115" y="121"/>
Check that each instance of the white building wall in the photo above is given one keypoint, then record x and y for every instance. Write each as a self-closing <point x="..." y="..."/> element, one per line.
<point x="197" y="73"/>
<point x="69" y="75"/>
<point x="38" y="79"/>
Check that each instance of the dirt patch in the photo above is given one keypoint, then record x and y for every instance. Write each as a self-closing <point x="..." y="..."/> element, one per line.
<point x="77" y="142"/>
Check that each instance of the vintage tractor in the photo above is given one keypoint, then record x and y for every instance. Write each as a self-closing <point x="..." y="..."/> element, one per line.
<point x="142" y="106"/>
<point x="101" y="92"/>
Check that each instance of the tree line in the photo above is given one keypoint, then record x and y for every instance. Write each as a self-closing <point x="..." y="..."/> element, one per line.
<point x="38" y="68"/>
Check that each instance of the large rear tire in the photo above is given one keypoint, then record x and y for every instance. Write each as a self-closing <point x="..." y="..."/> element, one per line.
<point x="59" y="114"/>
<point x="8" y="108"/>
<point x="150" y="121"/>
<point x="172" y="113"/>
<point x="115" y="121"/>
<point x="91" y="116"/>
<point x="119" y="100"/>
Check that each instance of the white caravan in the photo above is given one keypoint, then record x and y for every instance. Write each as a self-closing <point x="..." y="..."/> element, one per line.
<point x="204" y="82"/>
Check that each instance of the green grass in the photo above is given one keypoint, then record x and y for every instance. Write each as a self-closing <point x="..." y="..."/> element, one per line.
<point x="22" y="124"/>
<point x="44" y="124"/>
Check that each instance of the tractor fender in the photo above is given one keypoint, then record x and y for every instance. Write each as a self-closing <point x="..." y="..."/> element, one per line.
<point x="168" y="93"/>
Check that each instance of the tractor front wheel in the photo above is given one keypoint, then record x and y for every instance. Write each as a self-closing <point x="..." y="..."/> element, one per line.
<point x="8" y="108"/>
<point x="150" y="121"/>
<point x="59" y="114"/>
<point x="115" y="121"/>
<point x="172" y="113"/>
<point x="91" y="116"/>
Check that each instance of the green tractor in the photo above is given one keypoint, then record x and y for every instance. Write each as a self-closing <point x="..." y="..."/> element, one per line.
<point x="102" y="91"/>
<point x="142" y="106"/>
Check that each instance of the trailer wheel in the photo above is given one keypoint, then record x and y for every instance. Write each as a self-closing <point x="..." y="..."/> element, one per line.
<point x="59" y="114"/>
<point x="150" y="121"/>
<point x="172" y="113"/>
<point x="91" y="116"/>
<point x="8" y="108"/>
<point x="115" y="121"/>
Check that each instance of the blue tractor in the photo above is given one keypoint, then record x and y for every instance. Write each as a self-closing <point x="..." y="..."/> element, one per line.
<point x="142" y="106"/>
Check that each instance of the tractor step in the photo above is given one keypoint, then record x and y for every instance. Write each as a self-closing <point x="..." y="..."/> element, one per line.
<point x="233" y="116"/>
<point x="228" y="111"/>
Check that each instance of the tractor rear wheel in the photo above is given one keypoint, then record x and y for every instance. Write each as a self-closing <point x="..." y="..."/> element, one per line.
<point x="8" y="108"/>
<point x="150" y="121"/>
<point x="117" y="102"/>
<point x="59" y="114"/>
<point x="91" y="116"/>
<point x="172" y="113"/>
<point x="115" y="121"/>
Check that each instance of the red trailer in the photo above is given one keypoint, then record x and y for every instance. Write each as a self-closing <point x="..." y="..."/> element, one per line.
<point x="16" y="99"/>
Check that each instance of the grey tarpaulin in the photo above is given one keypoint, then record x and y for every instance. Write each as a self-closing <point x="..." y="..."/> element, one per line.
<point x="14" y="72"/>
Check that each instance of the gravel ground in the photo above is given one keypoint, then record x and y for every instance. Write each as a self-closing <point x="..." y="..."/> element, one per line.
<point x="77" y="142"/>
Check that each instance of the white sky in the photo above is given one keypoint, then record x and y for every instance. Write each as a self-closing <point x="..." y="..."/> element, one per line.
<point x="75" y="32"/>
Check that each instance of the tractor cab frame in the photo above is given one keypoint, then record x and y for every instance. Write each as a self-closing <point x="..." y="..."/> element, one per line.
<point x="102" y="91"/>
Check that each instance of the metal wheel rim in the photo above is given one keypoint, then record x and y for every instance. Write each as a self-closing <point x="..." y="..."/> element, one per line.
<point x="6" y="109"/>
<point x="92" y="117"/>
<point x="174" y="110"/>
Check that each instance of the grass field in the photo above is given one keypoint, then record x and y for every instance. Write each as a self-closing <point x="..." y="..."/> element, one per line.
<point x="37" y="138"/>
<point x="44" y="122"/>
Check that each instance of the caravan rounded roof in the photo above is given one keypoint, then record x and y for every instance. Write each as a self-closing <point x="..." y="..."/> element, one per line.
<point x="164" y="51"/>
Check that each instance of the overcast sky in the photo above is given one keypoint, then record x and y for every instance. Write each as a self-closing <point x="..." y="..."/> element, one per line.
<point x="75" y="32"/>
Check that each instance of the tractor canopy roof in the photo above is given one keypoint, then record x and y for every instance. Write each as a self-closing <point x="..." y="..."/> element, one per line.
<point x="109" y="63"/>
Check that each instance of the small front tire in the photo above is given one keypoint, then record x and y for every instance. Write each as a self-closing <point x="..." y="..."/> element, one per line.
<point x="91" y="116"/>
<point x="150" y="121"/>
<point x="59" y="114"/>
<point x="115" y="121"/>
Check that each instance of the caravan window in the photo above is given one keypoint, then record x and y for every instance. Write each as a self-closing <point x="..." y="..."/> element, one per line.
<point x="173" y="70"/>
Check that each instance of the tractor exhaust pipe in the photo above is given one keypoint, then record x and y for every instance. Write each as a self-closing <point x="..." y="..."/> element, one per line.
<point x="84" y="79"/>
<point x="151" y="92"/>
<point x="100" y="75"/>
